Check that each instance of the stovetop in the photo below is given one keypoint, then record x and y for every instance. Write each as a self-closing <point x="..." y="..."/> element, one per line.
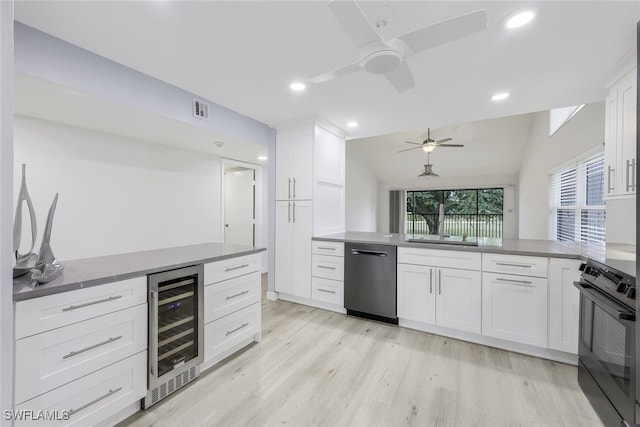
<point x="606" y="277"/>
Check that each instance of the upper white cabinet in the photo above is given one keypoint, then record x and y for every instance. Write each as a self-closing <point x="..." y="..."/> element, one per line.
<point x="294" y="156"/>
<point x="620" y="137"/>
<point x="564" y="304"/>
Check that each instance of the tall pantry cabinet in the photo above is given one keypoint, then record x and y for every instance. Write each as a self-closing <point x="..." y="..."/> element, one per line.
<point x="309" y="200"/>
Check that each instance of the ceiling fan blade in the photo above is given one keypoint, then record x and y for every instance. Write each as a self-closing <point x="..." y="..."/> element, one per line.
<point x="444" y="140"/>
<point x="445" y="31"/>
<point x="409" y="149"/>
<point x="414" y="143"/>
<point x="450" y="145"/>
<point x="401" y="78"/>
<point x="353" y="22"/>
<point x="334" y="74"/>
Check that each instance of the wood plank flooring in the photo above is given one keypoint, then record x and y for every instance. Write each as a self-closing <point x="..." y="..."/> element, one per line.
<point x="318" y="368"/>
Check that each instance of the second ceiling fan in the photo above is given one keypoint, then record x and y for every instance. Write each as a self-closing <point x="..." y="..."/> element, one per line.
<point x="388" y="57"/>
<point x="428" y="145"/>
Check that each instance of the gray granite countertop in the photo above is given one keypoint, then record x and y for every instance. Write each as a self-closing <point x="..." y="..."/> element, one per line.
<point x="82" y="273"/>
<point x="618" y="255"/>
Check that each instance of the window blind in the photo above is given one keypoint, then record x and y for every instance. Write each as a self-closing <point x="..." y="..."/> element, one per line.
<point x="577" y="207"/>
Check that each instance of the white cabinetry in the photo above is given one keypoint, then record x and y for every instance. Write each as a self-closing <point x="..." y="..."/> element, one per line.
<point x="83" y="352"/>
<point x="429" y="291"/>
<point x="327" y="269"/>
<point x="309" y="201"/>
<point x="620" y="137"/>
<point x="232" y="306"/>
<point x="514" y="306"/>
<point x="564" y="304"/>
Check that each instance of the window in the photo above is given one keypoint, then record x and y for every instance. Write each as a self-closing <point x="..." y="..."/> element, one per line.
<point x="476" y="213"/>
<point x="577" y="202"/>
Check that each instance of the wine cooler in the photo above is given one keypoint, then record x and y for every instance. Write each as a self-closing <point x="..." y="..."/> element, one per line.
<point x="175" y="330"/>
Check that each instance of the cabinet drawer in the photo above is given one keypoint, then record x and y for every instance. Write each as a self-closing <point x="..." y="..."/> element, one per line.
<point x="515" y="264"/>
<point x="327" y="248"/>
<point x="331" y="291"/>
<point x="51" y="359"/>
<point x="94" y="398"/>
<point x="54" y="311"/>
<point x="222" y="270"/>
<point x="440" y="258"/>
<point x="231" y="295"/>
<point x="226" y="332"/>
<point x="328" y="267"/>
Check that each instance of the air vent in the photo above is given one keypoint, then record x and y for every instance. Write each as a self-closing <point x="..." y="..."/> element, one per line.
<point x="200" y="109"/>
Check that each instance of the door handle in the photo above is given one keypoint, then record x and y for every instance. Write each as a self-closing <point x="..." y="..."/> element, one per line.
<point x="609" y="187"/>
<point x="605" y="303"/>
<point x="368" y="252"/>
<point x="439" y="282"/>
<point x="430" y="281"/>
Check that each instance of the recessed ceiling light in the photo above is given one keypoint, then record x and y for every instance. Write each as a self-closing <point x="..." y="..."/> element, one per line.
<point x="352" y="124"/>
<point x="297" y="86"/>
<point x="520" y="19"/>
<point x="262" y="157"/>
<point x="500" y="96"/>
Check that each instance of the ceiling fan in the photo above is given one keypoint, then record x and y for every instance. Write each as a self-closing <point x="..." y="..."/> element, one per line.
<point x="388" y="57"/>
<point x="428" y="145"/>
<point x="428" y="172"/>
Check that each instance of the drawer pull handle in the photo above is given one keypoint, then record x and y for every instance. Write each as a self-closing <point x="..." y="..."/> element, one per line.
<point x="91" y="347"/>
<point x="86" y="304"/>
<point x="326" y="268"/>
<point x="326" y="290"/>
<point x="236" y="295"/>
<point x="244" y="325"/>
<point x="326" y="248"/>
<point x="506" y="264"/>
<point x="236" y="268"/>
<point x="94" y="401"/>
<point x="520" y="282"/>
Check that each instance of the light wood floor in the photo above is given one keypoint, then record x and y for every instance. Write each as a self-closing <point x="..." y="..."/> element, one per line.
<point x="318" y="368"/>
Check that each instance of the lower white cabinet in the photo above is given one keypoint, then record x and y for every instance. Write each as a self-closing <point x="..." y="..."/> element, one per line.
<point x="514" y="308"/>
<point x="327" y="290"/>
<point x="92" y="399"/>
<point x="226" y="333"/>
<point x="293" y="247"/>
<point x="443" y="296"/>
<point x="564" y="304"/>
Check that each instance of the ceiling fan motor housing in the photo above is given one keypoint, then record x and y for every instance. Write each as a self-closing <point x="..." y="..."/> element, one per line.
<point x="383" y="57"/>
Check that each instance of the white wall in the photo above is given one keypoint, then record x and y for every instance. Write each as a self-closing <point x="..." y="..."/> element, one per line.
<point x="116" y="194"/>
<point x="361" y="191"/>
<point x="6" y="211"/>
<point x="508" y="182"/>
<point x="585" y="131"/>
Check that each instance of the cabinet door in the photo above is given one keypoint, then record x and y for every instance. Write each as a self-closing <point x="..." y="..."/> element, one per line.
<point x="627" y="133"/>
<point x="301" y="164"/>
<point x="564" y="304"/>
<point x="416" y="293"/>
<point x="611" y="143"/>
<point x="301" y="248"/>
<point x="458" y="299"/>
<point x="515" y="308"/>
<point x="283" y="249"/>
<point x="284" y="172"/>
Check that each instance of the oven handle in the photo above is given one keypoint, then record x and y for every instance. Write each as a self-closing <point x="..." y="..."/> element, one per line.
<point x="605" y="303"/>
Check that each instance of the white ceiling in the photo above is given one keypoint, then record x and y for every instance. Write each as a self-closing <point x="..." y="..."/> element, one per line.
<point x="244" y="54"/>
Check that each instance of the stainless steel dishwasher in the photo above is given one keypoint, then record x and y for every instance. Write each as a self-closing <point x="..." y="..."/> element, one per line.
<point x="370" y="281"/>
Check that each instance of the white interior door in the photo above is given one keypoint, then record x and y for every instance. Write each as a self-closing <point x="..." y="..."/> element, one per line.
<point x="239" y="207"/>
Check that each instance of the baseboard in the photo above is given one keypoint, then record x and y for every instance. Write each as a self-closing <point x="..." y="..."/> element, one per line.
<point x="121" y="415"/>
<point x="272" y="296"/>
<point x="230" y="351"/>
<point x="544" y="353"/>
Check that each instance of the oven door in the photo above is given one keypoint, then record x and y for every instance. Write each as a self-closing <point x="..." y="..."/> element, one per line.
<point x="607" y="347"/>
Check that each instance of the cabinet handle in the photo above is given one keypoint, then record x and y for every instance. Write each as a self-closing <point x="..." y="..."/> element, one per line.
<point x="289" y="189"/>
<point x="236" y="295"/>
<point x="631" y="176"/>
<point x="294" y="188"/>
<point x="236" y="268"/>
<point x="86" y="304"/>
<point x="439" y="282"/>
<point x="326" y="248"/>
<point x="526" y="283"/>
<point x="244" y="325"/>
<point x="430" y="281"/>
<point x="326" y="268"/>
<point x="506" y="264"/>
<point x="294" y="208"/>
<point x="94" y="401"/>
<point x="609" y="180"/>
<point x="327" y="291"/>
<point x="91" y="347"/>
<point x="627" y="176"/>
<point x="289" y="213"/>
